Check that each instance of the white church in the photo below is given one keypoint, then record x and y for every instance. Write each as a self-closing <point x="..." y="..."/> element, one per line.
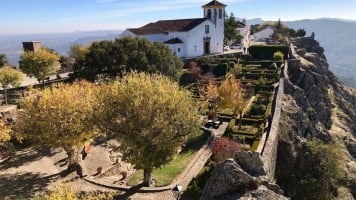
<point x="188" y="37"/>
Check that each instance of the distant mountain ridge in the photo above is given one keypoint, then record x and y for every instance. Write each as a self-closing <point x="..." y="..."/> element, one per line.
<point x="336" y="36"/>
<point x="11" y="45"/>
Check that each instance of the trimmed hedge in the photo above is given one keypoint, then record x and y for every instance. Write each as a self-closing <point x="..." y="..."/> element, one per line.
<point x="251" y="121"/>
<point x="266" y="52"/>
<point x="220" y="70"/>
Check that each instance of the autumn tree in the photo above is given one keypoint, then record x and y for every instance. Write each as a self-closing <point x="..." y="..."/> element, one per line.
<point x="64" y="191"/>
<point x="40" y="63"/>
<point x="150" y="116"/>
<point x="3" y="60"/>
<point x="228" y="95"/>
<point x="127" y="54"/>
<point x="5" y="130"/>
<point x="224" y="148"/>
<point x="231" y="94"/>
<point x="9" y="77"/>
<point x="59" y="117"/>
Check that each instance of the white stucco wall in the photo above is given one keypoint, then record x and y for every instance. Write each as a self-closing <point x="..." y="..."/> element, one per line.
<point x="193" y="40"/>
<point x="265" y="33"/>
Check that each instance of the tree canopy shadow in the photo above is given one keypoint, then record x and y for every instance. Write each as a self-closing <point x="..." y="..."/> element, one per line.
<point x="13" y="186"/>
<point x="26" y="155"/>
<point x="128" y="193"/>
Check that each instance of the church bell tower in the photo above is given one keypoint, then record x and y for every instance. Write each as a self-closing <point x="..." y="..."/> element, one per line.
<point x="215" y="11"/>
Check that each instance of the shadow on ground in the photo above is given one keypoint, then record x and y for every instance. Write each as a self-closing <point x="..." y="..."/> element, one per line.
<point x="13" y="186"/>
<point x="24" y="156"/>
<point x="127" y="194"/>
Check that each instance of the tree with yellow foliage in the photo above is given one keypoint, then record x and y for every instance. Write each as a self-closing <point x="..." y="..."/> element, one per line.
<point x="228" y="95"/>
<point x="4" y="132"/>
<point x="150" y="116"/>
<point x="231" y="95"/>
<point x="40" y="63"/>
<point x="9" y="77"/>
<point x="59" y="117"/>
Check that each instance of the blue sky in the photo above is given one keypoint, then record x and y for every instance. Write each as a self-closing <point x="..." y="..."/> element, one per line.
<point x="42" y="16"/>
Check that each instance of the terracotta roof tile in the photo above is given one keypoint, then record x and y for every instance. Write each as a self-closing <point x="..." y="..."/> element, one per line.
<point x="165" y="26"/>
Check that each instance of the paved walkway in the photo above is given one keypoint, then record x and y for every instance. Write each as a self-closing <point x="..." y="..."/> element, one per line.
<point x="163" y="193"/>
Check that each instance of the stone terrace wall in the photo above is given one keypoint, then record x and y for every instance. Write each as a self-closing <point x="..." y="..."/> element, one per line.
<point x="269" y="142"/>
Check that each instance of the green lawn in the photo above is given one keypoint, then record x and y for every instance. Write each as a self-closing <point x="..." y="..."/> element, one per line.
<point x="165" y="174"/>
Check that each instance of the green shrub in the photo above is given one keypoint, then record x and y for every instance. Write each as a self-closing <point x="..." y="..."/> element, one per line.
<point x="257" y="109"/>
<point x="266" y="52"/>
<point x="232" y="123"/>
<point x="231" y="64"/>
<point x="320" y="170"/>
<point x="220" y="70"/>
<point x="278" y="56"/>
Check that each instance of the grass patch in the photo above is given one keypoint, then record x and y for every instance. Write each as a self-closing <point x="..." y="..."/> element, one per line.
<point x="165" y="174"/>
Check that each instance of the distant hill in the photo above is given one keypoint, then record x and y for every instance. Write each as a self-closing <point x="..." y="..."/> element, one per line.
<point x="12" y="45"/>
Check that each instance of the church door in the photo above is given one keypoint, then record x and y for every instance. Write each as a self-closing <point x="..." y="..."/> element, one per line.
<point x="206" y="47"/>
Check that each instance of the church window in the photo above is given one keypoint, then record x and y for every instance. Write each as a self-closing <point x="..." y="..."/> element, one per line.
<point x="178" y="49"/>
<point x="208" y="15"/>
<point x="206" y="29"/>
<point x="220" y="13"/>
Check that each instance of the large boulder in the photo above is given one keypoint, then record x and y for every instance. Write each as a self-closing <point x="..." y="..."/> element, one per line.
<point x="230" y="182"/>
<point x="228" y="178"/>
<point x="262" y="192"/>
<point x="250" y="161"/>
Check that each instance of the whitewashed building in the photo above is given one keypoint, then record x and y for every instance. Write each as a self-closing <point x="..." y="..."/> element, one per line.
<point x="263" y="34"/>
<point x="188" y="37"/>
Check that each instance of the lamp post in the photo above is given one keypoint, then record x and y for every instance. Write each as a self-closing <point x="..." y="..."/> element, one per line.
<point x="177" y="191"/>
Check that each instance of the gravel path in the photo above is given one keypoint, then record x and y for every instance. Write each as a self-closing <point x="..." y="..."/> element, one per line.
<point x="30" y="171"/>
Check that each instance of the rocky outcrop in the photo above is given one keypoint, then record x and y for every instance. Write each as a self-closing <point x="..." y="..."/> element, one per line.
<point x="262" y="193"/>
<point x="251" y="162"/>
<point x="230" y="181"/>
<point x="315" y="105"/>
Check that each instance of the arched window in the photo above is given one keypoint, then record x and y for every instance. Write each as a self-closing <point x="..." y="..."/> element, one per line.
<point x="208" y="15"/>
<point x="220" y="13"/>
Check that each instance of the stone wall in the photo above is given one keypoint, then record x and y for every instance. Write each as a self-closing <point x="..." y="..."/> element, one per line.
<point x="269" y="143"/>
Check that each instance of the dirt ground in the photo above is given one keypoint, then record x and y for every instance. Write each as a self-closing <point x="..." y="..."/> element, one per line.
<point x="31" y="171"/>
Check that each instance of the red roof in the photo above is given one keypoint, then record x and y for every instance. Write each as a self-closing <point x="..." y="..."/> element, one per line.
<point x="165" y="26"/>
<point x="214" y="3"/>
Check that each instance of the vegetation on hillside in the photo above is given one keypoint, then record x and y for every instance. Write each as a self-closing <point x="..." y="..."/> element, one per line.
<point x="320" y="170"/>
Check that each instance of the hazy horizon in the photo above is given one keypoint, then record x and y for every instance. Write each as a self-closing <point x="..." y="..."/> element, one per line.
<point x="61" y="16"/>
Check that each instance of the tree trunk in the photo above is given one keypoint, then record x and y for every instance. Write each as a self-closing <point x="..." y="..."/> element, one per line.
<point x="71" y="161"/>
<point x="240" y="120"/>
<point x="147" y="179"/>
<point x="5" y="95"/>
